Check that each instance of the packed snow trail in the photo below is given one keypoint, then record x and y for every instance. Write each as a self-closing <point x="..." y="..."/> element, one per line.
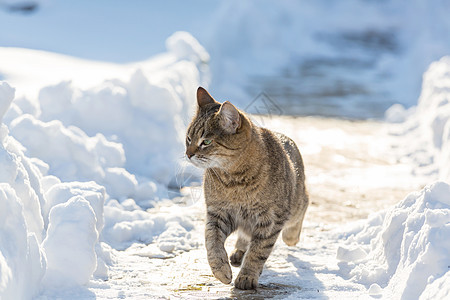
<point x="351" y="172"/>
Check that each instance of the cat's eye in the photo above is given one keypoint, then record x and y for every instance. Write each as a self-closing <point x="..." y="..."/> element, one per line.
<point x="206" y="142"/>
<point x="188" y="140"/>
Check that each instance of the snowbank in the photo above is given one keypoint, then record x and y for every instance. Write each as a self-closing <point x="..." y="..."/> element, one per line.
<point x="404" y="250"/>
<point x="80" y="165"/>
<point x="111" y="132"/>
<point x="40" y="230"/>
<point x="425" y="132"/>
<point x="74" y="155"/>
<point x="419" y="225"/>
<point x="22" y="261"/>
<point x="136" y="114"/>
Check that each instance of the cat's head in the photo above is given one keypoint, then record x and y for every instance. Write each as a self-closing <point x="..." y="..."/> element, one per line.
<point x="217" y="134"/>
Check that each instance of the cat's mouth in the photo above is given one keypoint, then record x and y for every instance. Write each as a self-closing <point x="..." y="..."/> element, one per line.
<point x="199" y="162"/>
<point x="204" y="162"/>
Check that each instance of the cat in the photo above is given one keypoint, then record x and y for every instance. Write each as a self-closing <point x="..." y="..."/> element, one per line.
<point x="254" y="183"/>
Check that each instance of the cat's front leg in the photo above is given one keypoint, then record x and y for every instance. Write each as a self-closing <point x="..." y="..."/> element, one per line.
<point x="261" y="246"/>
<point x="219" y="226"/>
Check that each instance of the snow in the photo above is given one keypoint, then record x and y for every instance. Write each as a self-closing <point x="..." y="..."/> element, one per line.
<point x="375" y="290"/>
<point x="120" y="118"/>
<point x="6" y="96"/>
<point x="405" y="248"/>
<point x="313" y="52"/>
<point x="65" y="158"/>
<point x="22" y="262"/>
<point x="71" y="233"/>
<point x="426" y="128"/>
<point x="123" y="227"/>
<point x="89" y="151"/>
<point x="439" y="289"/>
<point x="61" y="192"/>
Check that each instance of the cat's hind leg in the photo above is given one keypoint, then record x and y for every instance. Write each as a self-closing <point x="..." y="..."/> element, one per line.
<point x="239" y="250"/>
<point x="262" y="241"/>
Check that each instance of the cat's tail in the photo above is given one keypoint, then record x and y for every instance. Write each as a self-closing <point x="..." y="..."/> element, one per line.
<point x="291" y="231"/>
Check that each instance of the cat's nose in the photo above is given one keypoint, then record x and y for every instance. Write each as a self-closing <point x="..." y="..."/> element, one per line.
<point x="189" y="154"/>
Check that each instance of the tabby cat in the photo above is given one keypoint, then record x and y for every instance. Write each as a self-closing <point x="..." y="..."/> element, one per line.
<point x="254" y="183"/>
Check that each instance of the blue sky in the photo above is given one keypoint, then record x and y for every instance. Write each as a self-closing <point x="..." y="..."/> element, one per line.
<point x="116" y="31"/>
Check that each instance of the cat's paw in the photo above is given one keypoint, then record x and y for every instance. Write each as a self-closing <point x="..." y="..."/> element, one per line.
<point x="236" y="258"/>
<point x="223" y="273"/>
<point x="246" y="282"/>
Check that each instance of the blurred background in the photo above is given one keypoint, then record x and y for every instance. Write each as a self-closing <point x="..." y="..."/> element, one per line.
<point x="350" y="59"/>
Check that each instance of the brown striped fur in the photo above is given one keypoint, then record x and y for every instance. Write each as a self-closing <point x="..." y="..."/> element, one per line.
<point x="254" y="183"/>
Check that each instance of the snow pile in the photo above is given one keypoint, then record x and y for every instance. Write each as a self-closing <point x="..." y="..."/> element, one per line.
<point x="426" y="130"/>
<point x="126" y="135"/>
<point x="106" y="122"/>
<point x="71" y="234"/>
<point x="44" y="223"/>
<point x="22" y="262"/>
<point x="74" y="155"/>
<point x="185" y="47"/>
<point x="124" y="227"/>
<point x="112" y="132"/>
<point x="406" y="250"/>
<point x="136" y="115"/>
<point x="79" y="164"/>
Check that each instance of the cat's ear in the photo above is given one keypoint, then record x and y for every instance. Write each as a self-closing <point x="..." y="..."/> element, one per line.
<point x="230" y="120"/>
<point x="204" y="98"/>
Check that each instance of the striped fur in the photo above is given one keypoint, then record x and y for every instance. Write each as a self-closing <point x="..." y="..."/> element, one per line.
<point x="254" y="183"/>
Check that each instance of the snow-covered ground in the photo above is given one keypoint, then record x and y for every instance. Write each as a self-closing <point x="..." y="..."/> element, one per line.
<point x="90" y="154"/>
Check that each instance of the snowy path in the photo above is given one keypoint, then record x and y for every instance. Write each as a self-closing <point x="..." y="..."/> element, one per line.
<point x="296" y="271"/>
<point x="351" y="170"/>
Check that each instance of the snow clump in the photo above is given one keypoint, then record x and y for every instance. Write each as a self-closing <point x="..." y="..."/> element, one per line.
<point x="407" y="247"/>
<point x="425" y="134"/>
